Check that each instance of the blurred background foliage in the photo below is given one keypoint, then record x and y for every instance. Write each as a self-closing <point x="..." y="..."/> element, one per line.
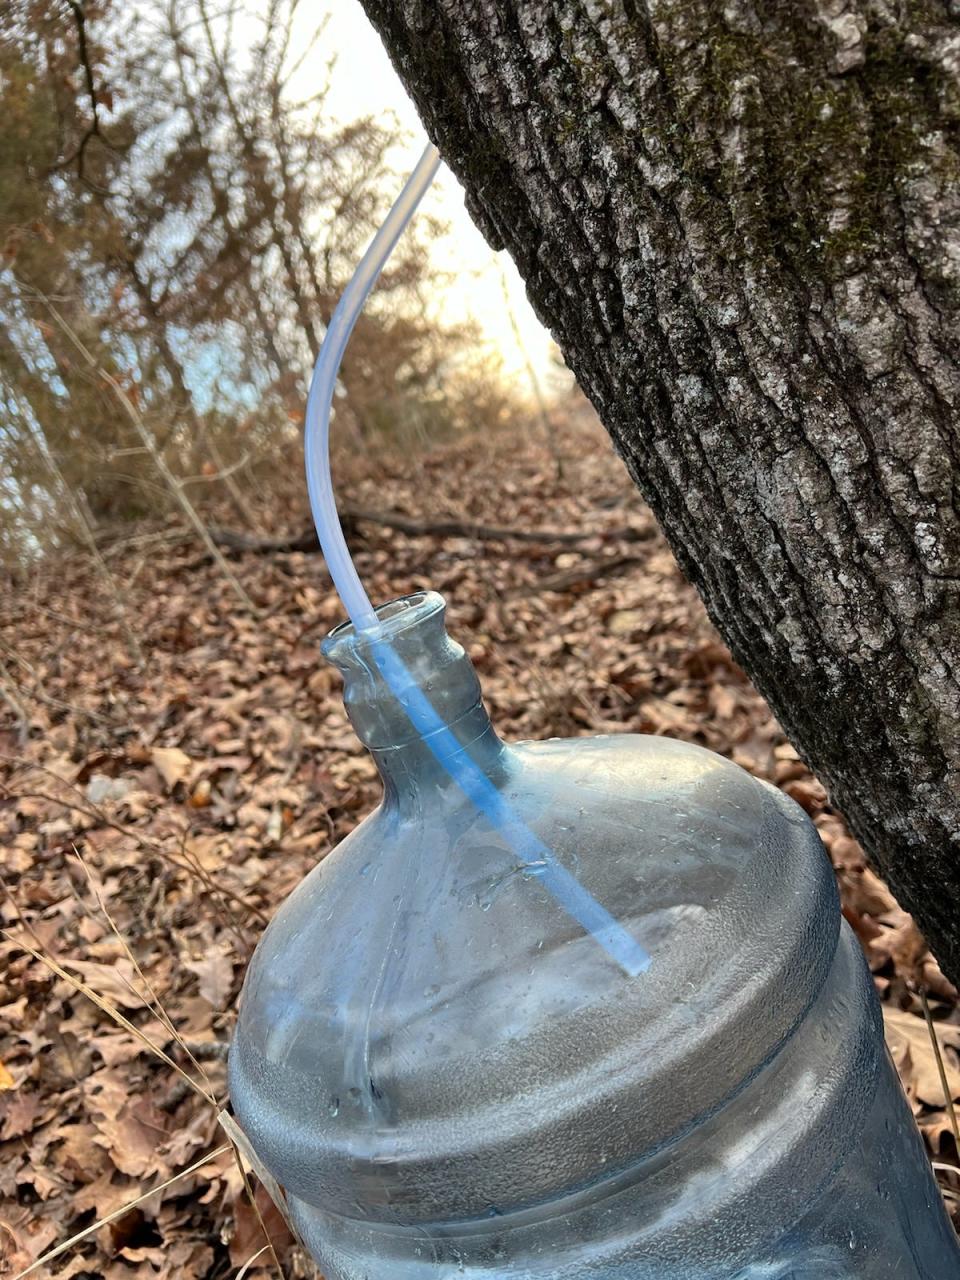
<point x="176" y="224"/>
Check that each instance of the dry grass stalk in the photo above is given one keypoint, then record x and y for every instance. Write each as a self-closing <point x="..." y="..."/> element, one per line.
<point x="9" y="691"/>
<point x="208" y="1097"/>
<point x="543" y="413"/>
<point x="938" y="1054"/>
<point x="39" y="694"/>
<point x="106" y="1007"/>
<point x="119" y="1213"/>
<point x="83" y="524"/>
<point x="219" y="893"/>
<point x="250" y="1261"/>
<point x="154" y="1004"/>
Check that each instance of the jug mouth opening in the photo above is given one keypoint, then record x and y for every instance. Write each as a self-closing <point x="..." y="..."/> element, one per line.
<point x="395" y="617"/>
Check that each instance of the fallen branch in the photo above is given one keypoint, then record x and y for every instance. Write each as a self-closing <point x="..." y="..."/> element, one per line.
<point x="588" y="572"/>
<point x="231" y="541"/>
<point x="307" y="539"/>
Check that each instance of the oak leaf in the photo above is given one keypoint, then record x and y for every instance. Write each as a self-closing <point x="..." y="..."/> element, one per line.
<point x="172" y="764"/>
<point x="912" y="1050"/>
<point x="215" y="971"/>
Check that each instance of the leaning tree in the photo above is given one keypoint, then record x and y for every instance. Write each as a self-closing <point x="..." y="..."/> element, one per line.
<point x="741" y="223"/>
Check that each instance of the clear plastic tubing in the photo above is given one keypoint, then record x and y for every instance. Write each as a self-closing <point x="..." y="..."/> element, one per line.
<point x="537" y="859"/>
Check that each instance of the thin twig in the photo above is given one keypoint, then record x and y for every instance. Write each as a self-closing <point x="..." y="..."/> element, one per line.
<point x="589" y="571"/>
<point x="193" y="868"/>
<point x="48" y="699"/>
<point x="8" y="691"/>
<point x="307" y="541"/>
<point x="108" y="1009"/>
<point x="154" y="1004"/>
<point x="93" y="130"/>
<point x="250" y="1261"/>
<point x="222" y="474"/>
<point x="216" y="892"/>
<point x="113" y="544"/>
<point x="937" y="1053"/>
<point x="146" y="842"/>
<point x="138" y="424"/>
<point x="78" y="507"/>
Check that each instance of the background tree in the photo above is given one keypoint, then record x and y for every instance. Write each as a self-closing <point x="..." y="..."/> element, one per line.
<point x="168" y="187"/>
<point x="742" y="225"/>
<point x="52" y="158"/>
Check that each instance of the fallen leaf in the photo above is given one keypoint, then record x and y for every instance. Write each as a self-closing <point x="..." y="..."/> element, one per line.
<point x="215" y="971"/>
<point x="910" y="1044"/>
<point x="103" y="1195"/>
<point x="723" y="701"/>
<point x="628" y="622"/>
<point x="903" y="944"/>
<point x="810" y="796"/>
<point x="22" y="1113"/>
<point x="134" y="1137"/>
<point x="118" y="1046"/>
<point x="248" y="1235"/>
<point x="116" y="982"/>
<point x="200" y="795"/>
<point x="172" y="764"/>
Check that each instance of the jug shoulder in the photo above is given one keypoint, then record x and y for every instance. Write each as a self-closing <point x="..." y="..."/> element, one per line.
<point x="422" y="997"/>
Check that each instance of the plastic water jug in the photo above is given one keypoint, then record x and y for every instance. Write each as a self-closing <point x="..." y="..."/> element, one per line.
<point x="452" y="1072"/>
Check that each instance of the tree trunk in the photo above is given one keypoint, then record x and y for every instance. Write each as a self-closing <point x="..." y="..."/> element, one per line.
<point x="742" y="226"/>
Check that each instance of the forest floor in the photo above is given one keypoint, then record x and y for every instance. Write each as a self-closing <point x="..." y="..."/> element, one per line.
<point x="153" y="815"/>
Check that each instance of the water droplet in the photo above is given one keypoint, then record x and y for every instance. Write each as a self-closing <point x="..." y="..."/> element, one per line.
<point x="334" y="1106"/>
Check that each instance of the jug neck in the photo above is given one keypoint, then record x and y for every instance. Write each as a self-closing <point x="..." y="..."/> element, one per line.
<point x="413" y="631"/>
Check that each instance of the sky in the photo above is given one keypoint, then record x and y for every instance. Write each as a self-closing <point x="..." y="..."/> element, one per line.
<point x="364" y="83"/>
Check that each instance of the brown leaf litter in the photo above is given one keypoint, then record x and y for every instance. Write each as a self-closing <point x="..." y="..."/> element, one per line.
<point x="153" y="819"/>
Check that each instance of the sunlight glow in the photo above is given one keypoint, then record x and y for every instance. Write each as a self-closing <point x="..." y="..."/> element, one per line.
<point x="364" y="83"/>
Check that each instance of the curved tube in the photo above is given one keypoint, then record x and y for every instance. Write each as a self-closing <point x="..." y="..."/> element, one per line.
<point x="568" y="892"/>
<point x="316" y="437"/>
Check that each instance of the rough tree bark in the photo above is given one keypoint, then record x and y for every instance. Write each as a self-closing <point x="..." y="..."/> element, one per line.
<point x="742" y="225"/>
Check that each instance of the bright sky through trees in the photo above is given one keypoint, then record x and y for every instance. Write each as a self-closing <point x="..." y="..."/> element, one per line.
<point x="363" y="83"/>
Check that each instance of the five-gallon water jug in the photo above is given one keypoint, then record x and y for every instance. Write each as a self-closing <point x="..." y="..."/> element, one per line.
<point x="450" y="1073"/>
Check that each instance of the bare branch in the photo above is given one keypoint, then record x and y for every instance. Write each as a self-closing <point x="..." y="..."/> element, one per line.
<point x="175" y="486"/>
<point x="94" y="129"/>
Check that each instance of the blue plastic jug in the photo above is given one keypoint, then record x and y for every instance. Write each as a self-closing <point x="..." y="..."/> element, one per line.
<point x="450" y="1073"/>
